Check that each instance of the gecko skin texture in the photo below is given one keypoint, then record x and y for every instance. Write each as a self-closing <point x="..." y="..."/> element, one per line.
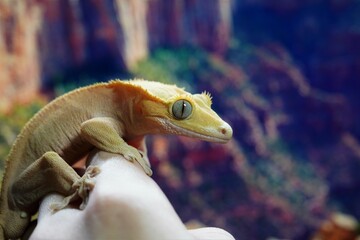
<point x="114" y="117"/>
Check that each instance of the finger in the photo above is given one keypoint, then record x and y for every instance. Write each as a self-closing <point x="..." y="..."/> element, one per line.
<point x="211" y="233"/>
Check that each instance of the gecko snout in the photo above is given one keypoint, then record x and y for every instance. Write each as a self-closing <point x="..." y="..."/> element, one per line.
<point x="226" y="131"/>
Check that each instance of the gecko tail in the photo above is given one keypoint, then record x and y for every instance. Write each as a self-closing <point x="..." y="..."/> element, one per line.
<point x="13" y="224"/>
<point x="2" y="233"/>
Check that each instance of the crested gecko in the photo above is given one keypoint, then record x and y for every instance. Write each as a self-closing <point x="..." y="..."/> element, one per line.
<point x="115" y="117"/>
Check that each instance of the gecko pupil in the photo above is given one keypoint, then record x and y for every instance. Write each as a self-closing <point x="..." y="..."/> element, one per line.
<point x="181" y="109"/>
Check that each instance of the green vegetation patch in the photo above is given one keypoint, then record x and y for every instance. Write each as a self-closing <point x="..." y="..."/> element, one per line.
<point x="11" y="124"/>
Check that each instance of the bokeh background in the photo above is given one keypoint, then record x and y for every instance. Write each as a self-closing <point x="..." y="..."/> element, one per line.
<point x="285" y="74"/>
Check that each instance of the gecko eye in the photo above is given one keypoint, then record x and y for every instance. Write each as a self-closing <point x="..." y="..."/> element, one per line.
<point x="181" y="109"/>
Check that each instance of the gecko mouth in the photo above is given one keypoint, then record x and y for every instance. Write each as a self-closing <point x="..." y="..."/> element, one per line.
<point x="173" y="128"/>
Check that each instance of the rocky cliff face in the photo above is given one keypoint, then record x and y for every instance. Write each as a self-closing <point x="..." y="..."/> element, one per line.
<point x="201" y="23"/>
<point x="19" y="52"/>
<point x="40" y="39"/>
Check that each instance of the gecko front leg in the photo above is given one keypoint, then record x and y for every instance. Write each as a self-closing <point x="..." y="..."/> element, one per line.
<point x="105" y="134"/>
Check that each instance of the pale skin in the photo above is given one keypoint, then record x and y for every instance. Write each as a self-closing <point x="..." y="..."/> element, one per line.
<point x="125" y="204"/>
<point x="114" y="117"/>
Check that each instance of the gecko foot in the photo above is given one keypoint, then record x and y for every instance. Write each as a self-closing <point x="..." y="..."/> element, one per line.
<point x="81" y="188"/>
<point x="146" y="168"/>
<point x="132" y="154"/>
<point x="145" y="163"/>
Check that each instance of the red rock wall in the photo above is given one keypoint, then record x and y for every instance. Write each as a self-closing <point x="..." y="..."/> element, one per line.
<point x="42" y="38"/>
<point x="19" y="52"/>
<point x="205" y="23"/>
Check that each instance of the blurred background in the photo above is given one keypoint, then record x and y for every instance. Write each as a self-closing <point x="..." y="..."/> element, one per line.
<point x="285" y="74"/>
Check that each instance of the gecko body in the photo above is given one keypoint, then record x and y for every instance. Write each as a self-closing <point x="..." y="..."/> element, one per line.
<point x="114" y="117"/>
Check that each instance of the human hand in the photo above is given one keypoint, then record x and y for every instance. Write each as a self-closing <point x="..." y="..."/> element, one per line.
<point x="125" y="204"/>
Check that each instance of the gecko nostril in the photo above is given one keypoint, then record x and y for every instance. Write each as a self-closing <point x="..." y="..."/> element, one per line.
<point x="223" y="131"/>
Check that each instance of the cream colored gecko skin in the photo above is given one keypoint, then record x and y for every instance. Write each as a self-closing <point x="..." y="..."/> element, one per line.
<point x="113" y="117"/>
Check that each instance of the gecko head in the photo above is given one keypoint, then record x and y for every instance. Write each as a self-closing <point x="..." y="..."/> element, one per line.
<point x="172" y="110"/>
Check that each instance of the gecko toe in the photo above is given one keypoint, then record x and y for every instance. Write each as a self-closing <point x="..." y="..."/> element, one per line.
<point x="81" y="189"/>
